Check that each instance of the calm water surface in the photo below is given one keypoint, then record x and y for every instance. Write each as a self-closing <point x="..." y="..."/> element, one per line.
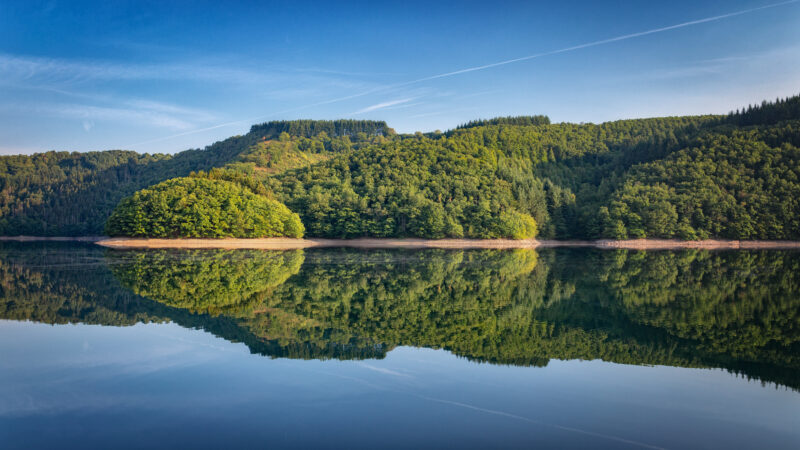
<point x="344" y="348"/>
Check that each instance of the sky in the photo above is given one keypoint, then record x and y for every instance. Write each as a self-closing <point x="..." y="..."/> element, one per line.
<point x="167" y="76"/>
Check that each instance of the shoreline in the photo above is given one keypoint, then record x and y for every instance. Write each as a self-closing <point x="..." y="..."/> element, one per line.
<point x="410" y="243"/>
<point x="376" y="243"/>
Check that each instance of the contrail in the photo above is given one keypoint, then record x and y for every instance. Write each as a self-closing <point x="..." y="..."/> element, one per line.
<point x="484" y="67"/>
<point x="605" y="41"/>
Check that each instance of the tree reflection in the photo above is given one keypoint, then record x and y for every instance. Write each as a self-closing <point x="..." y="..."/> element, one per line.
<point x="206" y="281"/>
<point x="737" y="310"/>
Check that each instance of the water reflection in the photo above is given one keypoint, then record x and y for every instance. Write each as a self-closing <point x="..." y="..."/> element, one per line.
<point x="212" y="282"/>
<point x="734" y="310"/>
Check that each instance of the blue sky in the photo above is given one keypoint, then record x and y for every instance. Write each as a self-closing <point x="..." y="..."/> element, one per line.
<point x="166" y="76"/>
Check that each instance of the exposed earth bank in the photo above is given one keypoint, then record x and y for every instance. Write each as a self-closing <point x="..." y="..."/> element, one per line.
<point x="286" y="243"/>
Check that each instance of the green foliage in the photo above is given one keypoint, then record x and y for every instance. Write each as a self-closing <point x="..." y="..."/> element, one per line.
<point x="73" y="194"/>
<point x="735" y="176"/>
<point x="472" y="182"/>
<point x="200" y="207"/>
<point x="270" y="156"/>
<point x="333" y="128"/>
<point x="733" y="185"/>
<point x="767" y="112"/>
<point x="516" y="225"/>
<point x="276" y="156"/>
<point x="420" y="187"/>
<point x="510" y="120"/>
<point x="238" y="176"/>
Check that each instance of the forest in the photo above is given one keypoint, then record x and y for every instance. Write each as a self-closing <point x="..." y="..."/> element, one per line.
<point x="734" y="176"/>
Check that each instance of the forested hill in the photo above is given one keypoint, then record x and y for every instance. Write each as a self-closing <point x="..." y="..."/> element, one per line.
<point x="693" y="177"/>
<point x="73" y="193"/>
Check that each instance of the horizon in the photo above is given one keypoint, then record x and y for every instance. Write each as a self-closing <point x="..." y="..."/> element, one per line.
<point x="95" y="77"/>
<point x="379" y="120"/>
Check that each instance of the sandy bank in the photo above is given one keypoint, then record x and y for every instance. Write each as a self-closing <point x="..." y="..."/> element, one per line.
<point x="711" y="244"/>
<point x="286" y="243"/>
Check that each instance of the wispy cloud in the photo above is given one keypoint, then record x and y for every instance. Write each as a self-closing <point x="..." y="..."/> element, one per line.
<point x="85" y="86"/>
<point x="138" y="112"/>
<point x="193" y="114"/>
<point x="65" y="71"/>
<point x="442" y="112"/>
<point x="383" y="105"/>
<point x="135" y="115"/>
<point x="345" y="72"/>
<point x="71" y="76"/>
<point x="389" y="87"/>
<point x="481" y="93"/>
<point x="623" y="37"/>
<point x="724" y="66"/>
<point x="429" y="114"/>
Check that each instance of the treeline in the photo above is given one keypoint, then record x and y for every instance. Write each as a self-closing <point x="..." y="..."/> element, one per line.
<point x="510" y="120"/>
<point x="767" y="112"/>
<point x="731" y="176"/>
<point x="311" y="128"/>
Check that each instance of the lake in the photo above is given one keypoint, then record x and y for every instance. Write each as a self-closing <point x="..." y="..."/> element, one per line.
<point x="345" y="348"/>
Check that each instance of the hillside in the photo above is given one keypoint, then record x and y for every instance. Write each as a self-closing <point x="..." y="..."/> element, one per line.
<point x="73" y="193"/>
<point x="693" y="177"/>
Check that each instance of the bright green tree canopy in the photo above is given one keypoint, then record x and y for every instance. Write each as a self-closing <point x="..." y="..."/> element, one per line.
<point x="202" y="208"/>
